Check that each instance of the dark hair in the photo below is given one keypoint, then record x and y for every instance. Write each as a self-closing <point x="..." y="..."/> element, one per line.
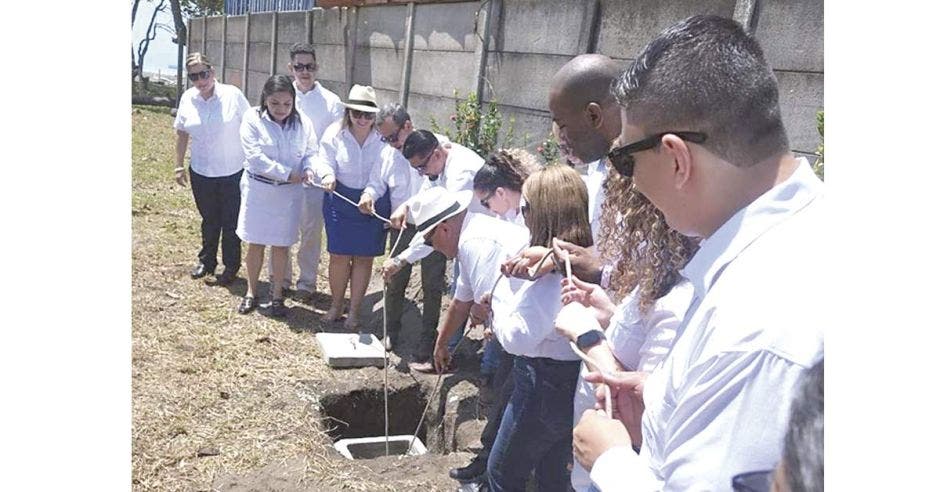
<point x="420" y="142"/>
<point x="300" y="48"/>
<point x="502" y="169"/>
<point x="803" y="445"/>
<point x="707" y="74"/>
<point x="396" y="111"/>
<point x="280" y="83"/>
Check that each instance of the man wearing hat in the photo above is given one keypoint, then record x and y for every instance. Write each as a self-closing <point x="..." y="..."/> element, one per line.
<point x="478" y="242"/>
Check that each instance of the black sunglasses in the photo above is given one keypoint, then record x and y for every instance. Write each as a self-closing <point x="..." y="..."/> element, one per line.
<point x="362" y="114"/>
<point x="305" y="66"/>
<point x="486" y="201"/>
<point x="427" y="159"/>
<point x="392" y="138"/>
<point x="622" y="159"/>
<point x="194" y="76"/>
<point x="758" y="481"/>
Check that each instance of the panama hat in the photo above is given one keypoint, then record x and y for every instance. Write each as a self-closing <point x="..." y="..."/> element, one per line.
<point x="435" y="205"/>
<point x="362" y="98"/>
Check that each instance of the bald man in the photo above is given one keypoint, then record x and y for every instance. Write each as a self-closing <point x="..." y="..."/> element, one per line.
<point x="586" y="121"/>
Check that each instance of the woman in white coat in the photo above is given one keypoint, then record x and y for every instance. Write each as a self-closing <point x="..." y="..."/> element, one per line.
<point x="278" y="142"/>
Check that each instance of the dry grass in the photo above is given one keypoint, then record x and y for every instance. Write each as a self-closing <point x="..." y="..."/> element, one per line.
<point x="206" y="379"/>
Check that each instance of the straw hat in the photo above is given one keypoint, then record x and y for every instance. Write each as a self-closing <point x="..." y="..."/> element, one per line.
<point x="435" y="205"/>
<point x="362" y="98"/>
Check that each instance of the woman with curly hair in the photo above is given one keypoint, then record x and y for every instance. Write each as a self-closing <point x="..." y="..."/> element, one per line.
<point x="640" y="330"/>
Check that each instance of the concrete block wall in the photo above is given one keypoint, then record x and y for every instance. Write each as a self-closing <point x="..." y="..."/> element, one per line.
<point x="529" y="40"/>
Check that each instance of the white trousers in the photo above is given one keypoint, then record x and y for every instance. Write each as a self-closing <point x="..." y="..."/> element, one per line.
<point x="311" y="237"/>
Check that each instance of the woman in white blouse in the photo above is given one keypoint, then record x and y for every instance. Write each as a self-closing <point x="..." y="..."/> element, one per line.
<point x="209" y="115"/>
<point x="279" y="142"/>
<point x="535" y="432"/>
<point x="640" y="330"/>
<point x="349" y="150"/>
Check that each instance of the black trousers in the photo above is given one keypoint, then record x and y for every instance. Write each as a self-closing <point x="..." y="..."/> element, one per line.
<point x="218" y="201"/>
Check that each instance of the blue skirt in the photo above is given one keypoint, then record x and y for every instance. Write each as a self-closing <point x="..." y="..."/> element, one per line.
<point x="349" y="231"/>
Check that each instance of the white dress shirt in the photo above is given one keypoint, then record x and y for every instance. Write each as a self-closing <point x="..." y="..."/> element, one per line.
<point x="393" y="173"/>
<point x="322" y="106"/>
<point x="273" y="151"/>
<point x="529" y="329"/>
<point x="485" y="243"/>
<point x="719" y="403"/>
<point x="341" y="155"/>
<point x="460" y="168"/>
<point x="594" y="174"/>
<point x="638" y="341"/>
<point x="213" y="127"/>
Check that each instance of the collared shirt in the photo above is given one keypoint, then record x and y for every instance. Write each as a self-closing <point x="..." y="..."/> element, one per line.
<point x="594" y="174"/>
<point x="342" y="156"/>
<point x="719" y="403"/>
<point x="213" y="127"/>
<point x="460" y="168"/>
<point x="393" y="173"/>
<point x="322" y="106"/>
<point x="529" y="328"/>
<point x="273" y="151"/>
<point x="485" y="243"/>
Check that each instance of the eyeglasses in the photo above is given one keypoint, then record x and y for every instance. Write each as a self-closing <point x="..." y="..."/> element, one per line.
<point x="524" y="209"/>
<point x="194" y="76"/>
<point x="424" y="165"/>
<point x="393" y="137"/>
<point x="486" y="201"/>
<point x="310" y="67"/>
<point x="623" y="161"/>
<point x="361" y="114"/>
<point x="758" y="481"/>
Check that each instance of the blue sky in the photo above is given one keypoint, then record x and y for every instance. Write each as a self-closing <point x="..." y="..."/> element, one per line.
<point x="162" y="52"/>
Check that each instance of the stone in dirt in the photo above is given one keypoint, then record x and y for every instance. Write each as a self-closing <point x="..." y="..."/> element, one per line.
<point x="351" y="349"/>
<point x="207" y="451"/>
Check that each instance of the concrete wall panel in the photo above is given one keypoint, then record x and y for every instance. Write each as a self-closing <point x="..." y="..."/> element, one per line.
<point x="256" y="82"/>
<point x="378" y="67"/>
<point x="626" y="27"/>
<point x="213" y="51"/>
<point x="513" y="83"/>
<point x="791" y="34"/>
<point x="236" y="29"/>
<point x="214" y="28"/>
<point x="292" y="27"/>
<point x="234" y="77"/>
<point x="283" y="58"/>
<point x="332" y="61"/>
<point x="260" y="28"/>
<point x="801" y="95"/>
<point x="542" y="26"/>
<point x="328" y="26"/>
<point x="530" y="128"/>
<point x="234" y="55"/>
<point x="259" y="57"/>
<point x="423" y="107"/>
<point x="335" y="86"/>
<point x="446" y="27"/>
<point x="382" y="27"/>
<point x="438" y="73"/>
<point x="195" y="34"/>
<point x="385" y="96"/>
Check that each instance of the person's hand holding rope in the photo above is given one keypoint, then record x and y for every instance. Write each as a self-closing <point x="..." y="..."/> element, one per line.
<point x="397" y="219"/>
<point x="480" y="311"/>
<point x="591" y="296"/>
<point x="366" y="204"/>
<point x="529" y="264"/>
<point x="584" y="262"/>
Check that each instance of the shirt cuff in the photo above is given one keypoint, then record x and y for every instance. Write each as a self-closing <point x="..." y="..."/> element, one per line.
<point x="618" y="466"/>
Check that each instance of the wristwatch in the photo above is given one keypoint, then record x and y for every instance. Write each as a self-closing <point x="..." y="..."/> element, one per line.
<point x="589" y="339"/>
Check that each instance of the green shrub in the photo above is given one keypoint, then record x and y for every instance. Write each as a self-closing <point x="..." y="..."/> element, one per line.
<point x="476" y="129"/>
<point x="819" y="166"/>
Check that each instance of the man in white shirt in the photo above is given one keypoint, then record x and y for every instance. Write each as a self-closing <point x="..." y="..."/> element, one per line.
<point x="586" y="121"/>
<point x="705" y="143"/>
<point x="322" y="107"/>
<point x="396" y="174"/>
<point x="448" y="165"/>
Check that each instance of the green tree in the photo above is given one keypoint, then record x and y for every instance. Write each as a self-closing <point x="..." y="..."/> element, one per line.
<point x="474" y="128"/>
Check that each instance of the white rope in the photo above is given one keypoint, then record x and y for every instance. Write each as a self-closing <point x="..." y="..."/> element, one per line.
<point x="347" y="200"/>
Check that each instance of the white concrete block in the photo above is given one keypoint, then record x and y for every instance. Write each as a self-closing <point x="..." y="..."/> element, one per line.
<point x="364" y="448"/>
<point x="351" y="349"/>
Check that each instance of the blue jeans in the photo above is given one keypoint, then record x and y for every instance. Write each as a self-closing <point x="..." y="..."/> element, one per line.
<point x="492" y="355"/>
<point x="535" y="433"/>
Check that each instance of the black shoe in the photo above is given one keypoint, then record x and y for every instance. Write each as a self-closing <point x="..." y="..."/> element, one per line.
<point x="227" y="277"/>
<point x="247" y="305"/>
<point x="201" y="271"/>
<point x="476" y="468"/>
<point x="278" y="309"/>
